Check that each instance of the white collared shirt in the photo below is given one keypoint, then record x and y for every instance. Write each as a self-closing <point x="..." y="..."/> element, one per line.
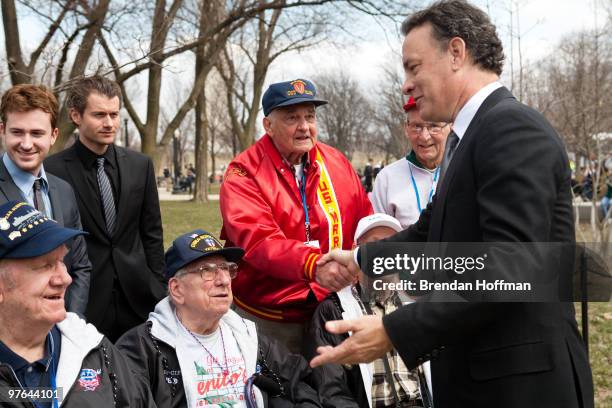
<point x="467" y="113"/>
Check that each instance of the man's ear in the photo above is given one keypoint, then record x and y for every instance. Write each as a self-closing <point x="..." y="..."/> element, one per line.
<point x="457" y="51"/>
<point x="54" y="134"/>
<point x="75" y="116"/>
<point x="176" y="291"/>
<point x="266" y="124"/>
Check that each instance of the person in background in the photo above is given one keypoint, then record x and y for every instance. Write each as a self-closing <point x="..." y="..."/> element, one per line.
<point x="195" y="351"/>
<point x="286" y="200"/>
<point x="117" y="195"/>
<point x="504" y="178"/>
<point x="405" y="187"/>
<point x="368" y="174"/>
<point x="44" y="351"/>
<point x="606" y="201"/>
<point x="386" y="382"/>
<point x="29" y="130"/>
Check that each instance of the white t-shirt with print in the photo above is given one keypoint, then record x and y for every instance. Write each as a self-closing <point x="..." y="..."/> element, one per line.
<point x="215" y="381"/>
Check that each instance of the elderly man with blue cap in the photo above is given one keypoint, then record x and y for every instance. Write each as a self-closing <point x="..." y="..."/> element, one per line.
<point x="49" y="357"/>
<point x="287" y="200"/>
<point x="195" y="351"/>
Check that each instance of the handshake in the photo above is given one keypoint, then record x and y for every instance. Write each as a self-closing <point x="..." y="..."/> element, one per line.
<point x="337" y="269"/>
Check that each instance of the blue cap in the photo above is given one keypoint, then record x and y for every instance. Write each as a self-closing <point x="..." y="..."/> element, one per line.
<point x="290" y="93"/>
<point x="26" y="233"/>
<point x="195" y="245"/>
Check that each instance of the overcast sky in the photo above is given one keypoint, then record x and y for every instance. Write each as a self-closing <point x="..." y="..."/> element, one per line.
<point x="543" y="24"/>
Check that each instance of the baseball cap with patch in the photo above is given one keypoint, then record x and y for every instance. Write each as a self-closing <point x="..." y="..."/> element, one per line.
<point x="26" y="233"/>
<point x="376" y="220"/>
<point x="195" y="245"/>
<point x="290" y="93"/>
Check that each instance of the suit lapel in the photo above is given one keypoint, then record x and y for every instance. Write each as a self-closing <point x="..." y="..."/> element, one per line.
<point x="7" y="185"/>
<point x="88" y="196"/>
<point x="435" y="231"/>
<point x="124" y="192"/>
<point x="56" y="202"/>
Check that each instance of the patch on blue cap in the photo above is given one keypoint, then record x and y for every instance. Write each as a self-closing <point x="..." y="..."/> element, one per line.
<point x="22" y="224"/>
<point x="290" y="93"/>
<point x="299" y="88"/>
<point x="204" y="243"/>
<point x="26" y="232"/>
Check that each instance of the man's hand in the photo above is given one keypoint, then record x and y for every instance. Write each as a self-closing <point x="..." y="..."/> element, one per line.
<point x="368" y="342"/>
<point x="341" y="256"/>
<point x="333" y="276"/>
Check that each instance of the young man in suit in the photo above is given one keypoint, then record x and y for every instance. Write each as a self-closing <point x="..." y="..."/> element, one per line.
<point x="505" y="179"/>
<point x="117" y="197"/>
<point x="28" y="128"/>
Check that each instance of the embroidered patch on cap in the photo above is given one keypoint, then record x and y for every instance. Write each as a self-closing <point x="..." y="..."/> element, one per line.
<point x="205" y="243"/>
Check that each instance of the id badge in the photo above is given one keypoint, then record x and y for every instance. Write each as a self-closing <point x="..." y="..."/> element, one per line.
<point x="313" y="244"/>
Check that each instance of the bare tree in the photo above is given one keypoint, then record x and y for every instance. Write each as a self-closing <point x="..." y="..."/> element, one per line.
<point x="349" y="115"/>
<point x="389" y="136"/>
<point x="580" y="71"/>
<point x="258" y="44"/>
<point x="86" y="19"/>
<point x="210" y="39"/>
<point x="20" y="70"/>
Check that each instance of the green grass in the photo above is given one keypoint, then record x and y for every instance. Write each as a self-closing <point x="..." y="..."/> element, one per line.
<point x="600" y="350"/>
<point x="183" y="216"/>
<point x="179" y="217"/>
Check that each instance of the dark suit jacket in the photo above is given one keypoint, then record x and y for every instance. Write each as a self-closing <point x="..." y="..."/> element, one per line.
<point x="134" y="254"/>
<point x="66" y="213"/>
<point x="509" y="181"/>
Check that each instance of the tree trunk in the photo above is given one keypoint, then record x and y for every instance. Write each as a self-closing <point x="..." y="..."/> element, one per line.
<point x="96" y="20"/>
<point x="17" y="68"/>
<point x="213" y="162"/>
<point x="200" y="194"/>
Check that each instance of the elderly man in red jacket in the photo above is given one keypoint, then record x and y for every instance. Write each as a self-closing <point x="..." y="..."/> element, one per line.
<point x="286" y="200"/>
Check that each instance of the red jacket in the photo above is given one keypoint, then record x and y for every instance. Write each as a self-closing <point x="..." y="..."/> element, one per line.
<point x="263" y="213"/>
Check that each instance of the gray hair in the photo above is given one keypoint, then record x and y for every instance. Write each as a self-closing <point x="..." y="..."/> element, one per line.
<point x="179" y="274"/>
<point x="6" y="276"/>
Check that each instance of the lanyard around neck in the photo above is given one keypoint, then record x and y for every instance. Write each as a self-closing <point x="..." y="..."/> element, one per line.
<point x="52" y="376"/>
<point x="304" y="205"/>
<point x="416" y="189"/>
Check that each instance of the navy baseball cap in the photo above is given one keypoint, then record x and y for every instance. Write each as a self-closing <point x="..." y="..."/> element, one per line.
<point x="195" y="245"/>
<point x="290" y="93"/>
<point x="26" y="233"/>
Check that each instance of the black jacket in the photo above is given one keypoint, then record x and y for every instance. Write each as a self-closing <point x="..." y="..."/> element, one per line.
<point x="508" y="181"/>
<point x="157" y="361"/>
<point x="66" y="213"/>
<point x="339" y="386"/>
<point x="116" y="385"/>
<point x="134" y="253"/>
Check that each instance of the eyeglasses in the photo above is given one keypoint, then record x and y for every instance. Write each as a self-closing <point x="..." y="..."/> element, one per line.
<point x="432" y="128"/>
<point x="211" y="271"/>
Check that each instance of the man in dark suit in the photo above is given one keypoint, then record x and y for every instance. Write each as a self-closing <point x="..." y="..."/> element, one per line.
<point x="28" y="128"/>
<point x="117" y="196"/>
<point x="505" y="179"/>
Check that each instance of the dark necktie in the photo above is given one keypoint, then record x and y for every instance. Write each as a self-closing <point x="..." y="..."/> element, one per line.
<point x="106" y="194"/>
<point x="39" y="202"/>
<point x="451" y="144"/>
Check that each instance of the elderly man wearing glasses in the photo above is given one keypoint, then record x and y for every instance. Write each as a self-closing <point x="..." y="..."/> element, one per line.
<point x="404" y="188"/>
<point x="195" y="351"/>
